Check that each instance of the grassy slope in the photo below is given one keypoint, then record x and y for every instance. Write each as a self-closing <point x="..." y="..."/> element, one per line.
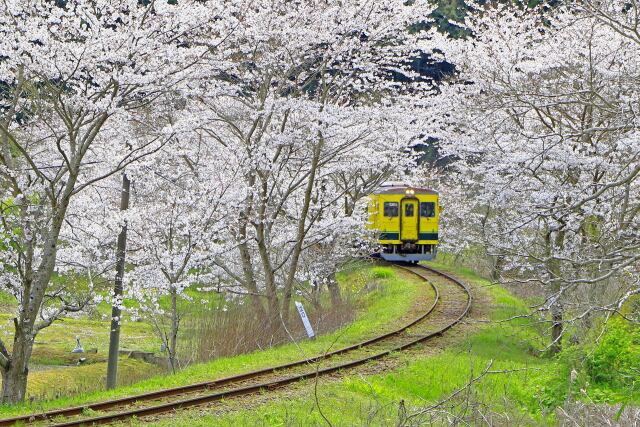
<point x="54" y="343"/>
<point x="385" y="297"/>
<point x="93" y="334"/>
<point x="50" y="375"/>
<point x="374" y="400"/>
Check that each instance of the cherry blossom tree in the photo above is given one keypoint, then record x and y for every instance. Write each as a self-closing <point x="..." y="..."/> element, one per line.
<point x="73" y="76"/>
<point x="312" y="115"/>
<point x="289" y="202"/>
<point x="547" y="134"/>
<point x="176" y="228"/>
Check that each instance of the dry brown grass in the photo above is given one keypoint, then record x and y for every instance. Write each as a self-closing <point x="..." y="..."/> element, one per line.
<point x="591" y="414"/>
<point x="236" y="331"/>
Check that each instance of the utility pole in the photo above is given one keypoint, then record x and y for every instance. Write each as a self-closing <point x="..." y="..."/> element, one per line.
<point x="116" y="312"/>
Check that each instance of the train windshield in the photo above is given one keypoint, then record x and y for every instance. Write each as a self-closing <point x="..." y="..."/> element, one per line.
<point x="427" y="209"/>
<point x="391" y="209"/>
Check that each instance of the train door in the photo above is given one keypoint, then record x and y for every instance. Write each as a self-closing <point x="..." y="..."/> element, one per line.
<point x="409" y="230"/>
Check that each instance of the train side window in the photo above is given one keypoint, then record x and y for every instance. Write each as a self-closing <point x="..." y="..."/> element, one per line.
<point x="427" y="209"/>
<point x="408" y="209"/>
<point x="391" y="209"/>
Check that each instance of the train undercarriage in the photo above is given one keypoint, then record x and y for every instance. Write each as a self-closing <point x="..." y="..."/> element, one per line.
<point x="408" y="251"/>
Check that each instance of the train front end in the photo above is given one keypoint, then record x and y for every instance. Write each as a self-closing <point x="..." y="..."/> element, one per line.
<point x="405" y="222"/>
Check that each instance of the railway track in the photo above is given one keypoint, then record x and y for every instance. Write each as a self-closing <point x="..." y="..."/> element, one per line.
<point x="451" y="304"/>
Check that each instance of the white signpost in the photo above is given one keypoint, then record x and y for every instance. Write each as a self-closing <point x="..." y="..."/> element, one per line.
<point x="305" y="320"/>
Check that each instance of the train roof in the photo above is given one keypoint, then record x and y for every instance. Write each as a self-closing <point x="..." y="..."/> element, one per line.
<point x="401" y="189"/>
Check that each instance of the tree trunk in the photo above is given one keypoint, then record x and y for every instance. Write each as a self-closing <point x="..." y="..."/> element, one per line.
<point x="349" y="206"/>
<point x="498" y="265"/>
<point x="246" y="262"/>
<point x="173" y="339"/>
<point x="275" y="322"/>
<point x="116" y="312"/>
<point x="258" y="308"/>
<point x="553" y="266"/>
<point x="334" y="290"/>
<point x="14" y="383"/>
<point x="301" y="230"/>
<point x="556" y="329"/>
<point x="316" y="288"/>
<point x="273" y="303"/>
<point x="269" y="277"/>
<point x="250" y="282"/>
<point x="14" y="379"/>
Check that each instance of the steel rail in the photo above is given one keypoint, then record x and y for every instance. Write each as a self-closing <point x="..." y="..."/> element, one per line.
<point x="199" y="400"/>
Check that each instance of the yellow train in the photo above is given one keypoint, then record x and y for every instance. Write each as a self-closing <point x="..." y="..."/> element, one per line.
<point x="405" y="220"/>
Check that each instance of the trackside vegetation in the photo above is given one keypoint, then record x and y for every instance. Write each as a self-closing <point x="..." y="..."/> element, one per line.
<point x="495" y="370"/>
<point x="384" y="299"/>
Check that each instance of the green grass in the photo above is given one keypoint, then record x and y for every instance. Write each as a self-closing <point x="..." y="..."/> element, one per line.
<point x="60" y="338"/>
<point x="7" y="302"/>
<point x="383" y="301"/>
<point x="382" y="272"/>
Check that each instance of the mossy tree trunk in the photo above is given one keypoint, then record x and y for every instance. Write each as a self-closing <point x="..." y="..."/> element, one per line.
<point x="14" y="377"/>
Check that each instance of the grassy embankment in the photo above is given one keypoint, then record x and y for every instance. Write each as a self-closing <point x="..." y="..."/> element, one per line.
<point x="383" y="295"/>
<point x="525" y="389"/>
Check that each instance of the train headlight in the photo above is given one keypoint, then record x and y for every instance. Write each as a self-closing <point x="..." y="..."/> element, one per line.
<point x="409" y="191"/>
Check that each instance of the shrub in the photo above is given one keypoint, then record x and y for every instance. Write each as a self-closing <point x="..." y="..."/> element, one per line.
<point x="615" y="360"/>
<point x="382" y="272"/>
<point x="607" y="369"/>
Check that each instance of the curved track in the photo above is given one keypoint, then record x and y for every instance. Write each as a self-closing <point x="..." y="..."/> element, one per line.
<point x="451" y="304"/>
